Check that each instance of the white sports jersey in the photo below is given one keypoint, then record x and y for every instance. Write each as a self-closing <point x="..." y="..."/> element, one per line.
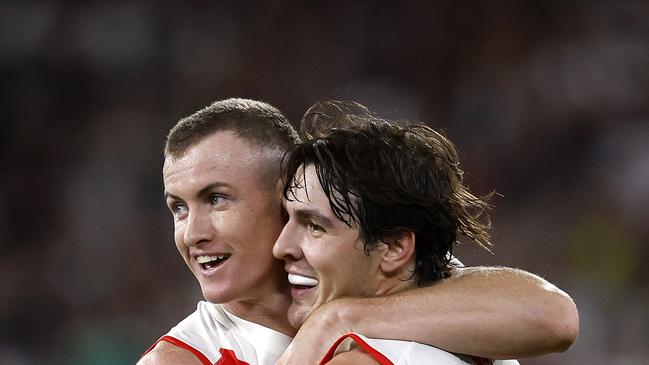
<point x="396" y="352"/>
<point x="216" y="336"/>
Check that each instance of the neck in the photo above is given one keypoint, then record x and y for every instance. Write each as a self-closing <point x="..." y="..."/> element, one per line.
<point x="393" y="287"/>
<point x="269" y="312"/>
<point x="397" y="282"/>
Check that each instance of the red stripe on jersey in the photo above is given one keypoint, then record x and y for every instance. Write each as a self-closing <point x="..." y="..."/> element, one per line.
<point x="228" y="357"/>
<point x="176" y="342"/>
<point x="364" y="345"/>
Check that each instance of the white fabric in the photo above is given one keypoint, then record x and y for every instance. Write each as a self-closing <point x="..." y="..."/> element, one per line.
<point x="211" y="327"/>
<point x="411" y="353"/>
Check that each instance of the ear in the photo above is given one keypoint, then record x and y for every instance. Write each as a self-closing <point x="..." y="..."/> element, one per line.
<point x="399" y="253"/>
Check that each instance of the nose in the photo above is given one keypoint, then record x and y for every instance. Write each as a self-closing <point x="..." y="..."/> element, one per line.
<point x="286" y="247"/>
<point x="199" y="229"/>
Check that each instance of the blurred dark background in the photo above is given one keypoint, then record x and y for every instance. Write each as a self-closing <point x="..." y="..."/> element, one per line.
<point x="548" y="102"/>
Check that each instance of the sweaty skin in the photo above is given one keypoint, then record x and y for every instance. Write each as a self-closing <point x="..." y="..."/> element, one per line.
<point x="315" y="244"/>
<point x="517" y="313"/>
<point x="491" y="312"/>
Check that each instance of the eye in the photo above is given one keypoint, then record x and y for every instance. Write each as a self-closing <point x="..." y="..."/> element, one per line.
<point x="179" y="210"/>
<point x="217" y="199"/>
<point x="316" y="228"/>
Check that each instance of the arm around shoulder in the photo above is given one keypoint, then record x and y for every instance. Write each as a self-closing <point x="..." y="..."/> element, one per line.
<point x="492" y="312"/>
<point x="554" y="313"/>
<point x="167" y="354"/>
<point x="542" y="316"/>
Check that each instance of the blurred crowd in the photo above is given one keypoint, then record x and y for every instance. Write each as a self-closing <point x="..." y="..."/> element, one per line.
<point x="548" y="103"/>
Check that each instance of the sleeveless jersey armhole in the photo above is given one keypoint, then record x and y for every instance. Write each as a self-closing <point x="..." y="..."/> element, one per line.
<point x="376" y="355"/>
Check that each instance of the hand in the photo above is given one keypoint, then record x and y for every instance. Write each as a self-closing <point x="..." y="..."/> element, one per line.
<point x="323" y="327"/>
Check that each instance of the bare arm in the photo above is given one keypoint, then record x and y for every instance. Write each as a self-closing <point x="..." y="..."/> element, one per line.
<point x="167" y="354"/>
<point x="484" y="311"/>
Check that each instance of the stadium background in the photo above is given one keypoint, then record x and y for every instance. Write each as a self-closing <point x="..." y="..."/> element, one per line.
<point x="547" y="101"/>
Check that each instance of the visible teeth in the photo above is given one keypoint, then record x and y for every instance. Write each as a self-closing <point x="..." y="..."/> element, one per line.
<point x="302" y="280"/>
<point x="205" y="259"/>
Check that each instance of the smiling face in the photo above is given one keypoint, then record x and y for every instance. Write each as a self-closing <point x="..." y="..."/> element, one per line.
<point x="226" y="217"/>
<point x="324" y="258"/>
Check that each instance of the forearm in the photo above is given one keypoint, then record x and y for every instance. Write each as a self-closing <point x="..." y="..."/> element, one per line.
<point x="488" y="312"/>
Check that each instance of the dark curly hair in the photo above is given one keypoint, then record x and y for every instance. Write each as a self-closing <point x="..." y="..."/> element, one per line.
<point x="386" y="179"/>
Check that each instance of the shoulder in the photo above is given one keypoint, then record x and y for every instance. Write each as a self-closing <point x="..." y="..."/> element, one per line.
<point x="165" y="353"/>
<point x="205" y="329"/>
<point x="204" y="312"/>
<point x="353" y="357"/>
<point x="418" y="353"/>
<point x="408" y="352"/>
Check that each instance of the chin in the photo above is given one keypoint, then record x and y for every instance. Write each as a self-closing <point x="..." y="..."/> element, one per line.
<point x="297" y="315"/>
<point x="215" y="296"/>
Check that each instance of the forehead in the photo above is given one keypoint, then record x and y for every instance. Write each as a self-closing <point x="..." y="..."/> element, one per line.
<point x="222" y="156"/>
<point x="307" y="189"/>
<point x="309" y="201"/>
<point x="307" y="198"/>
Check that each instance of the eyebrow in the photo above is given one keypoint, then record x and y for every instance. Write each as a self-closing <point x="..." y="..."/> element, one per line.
<point x="204" y="191"/>
<point x="312" y="214"/>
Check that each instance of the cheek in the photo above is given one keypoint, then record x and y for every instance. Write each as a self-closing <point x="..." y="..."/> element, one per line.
<point x="323" y="260"/>
<point x="254" y="235"/>
<point x="266" y="225"/>
<point x="347" y="271"/>
<point x="179" y="233"/>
